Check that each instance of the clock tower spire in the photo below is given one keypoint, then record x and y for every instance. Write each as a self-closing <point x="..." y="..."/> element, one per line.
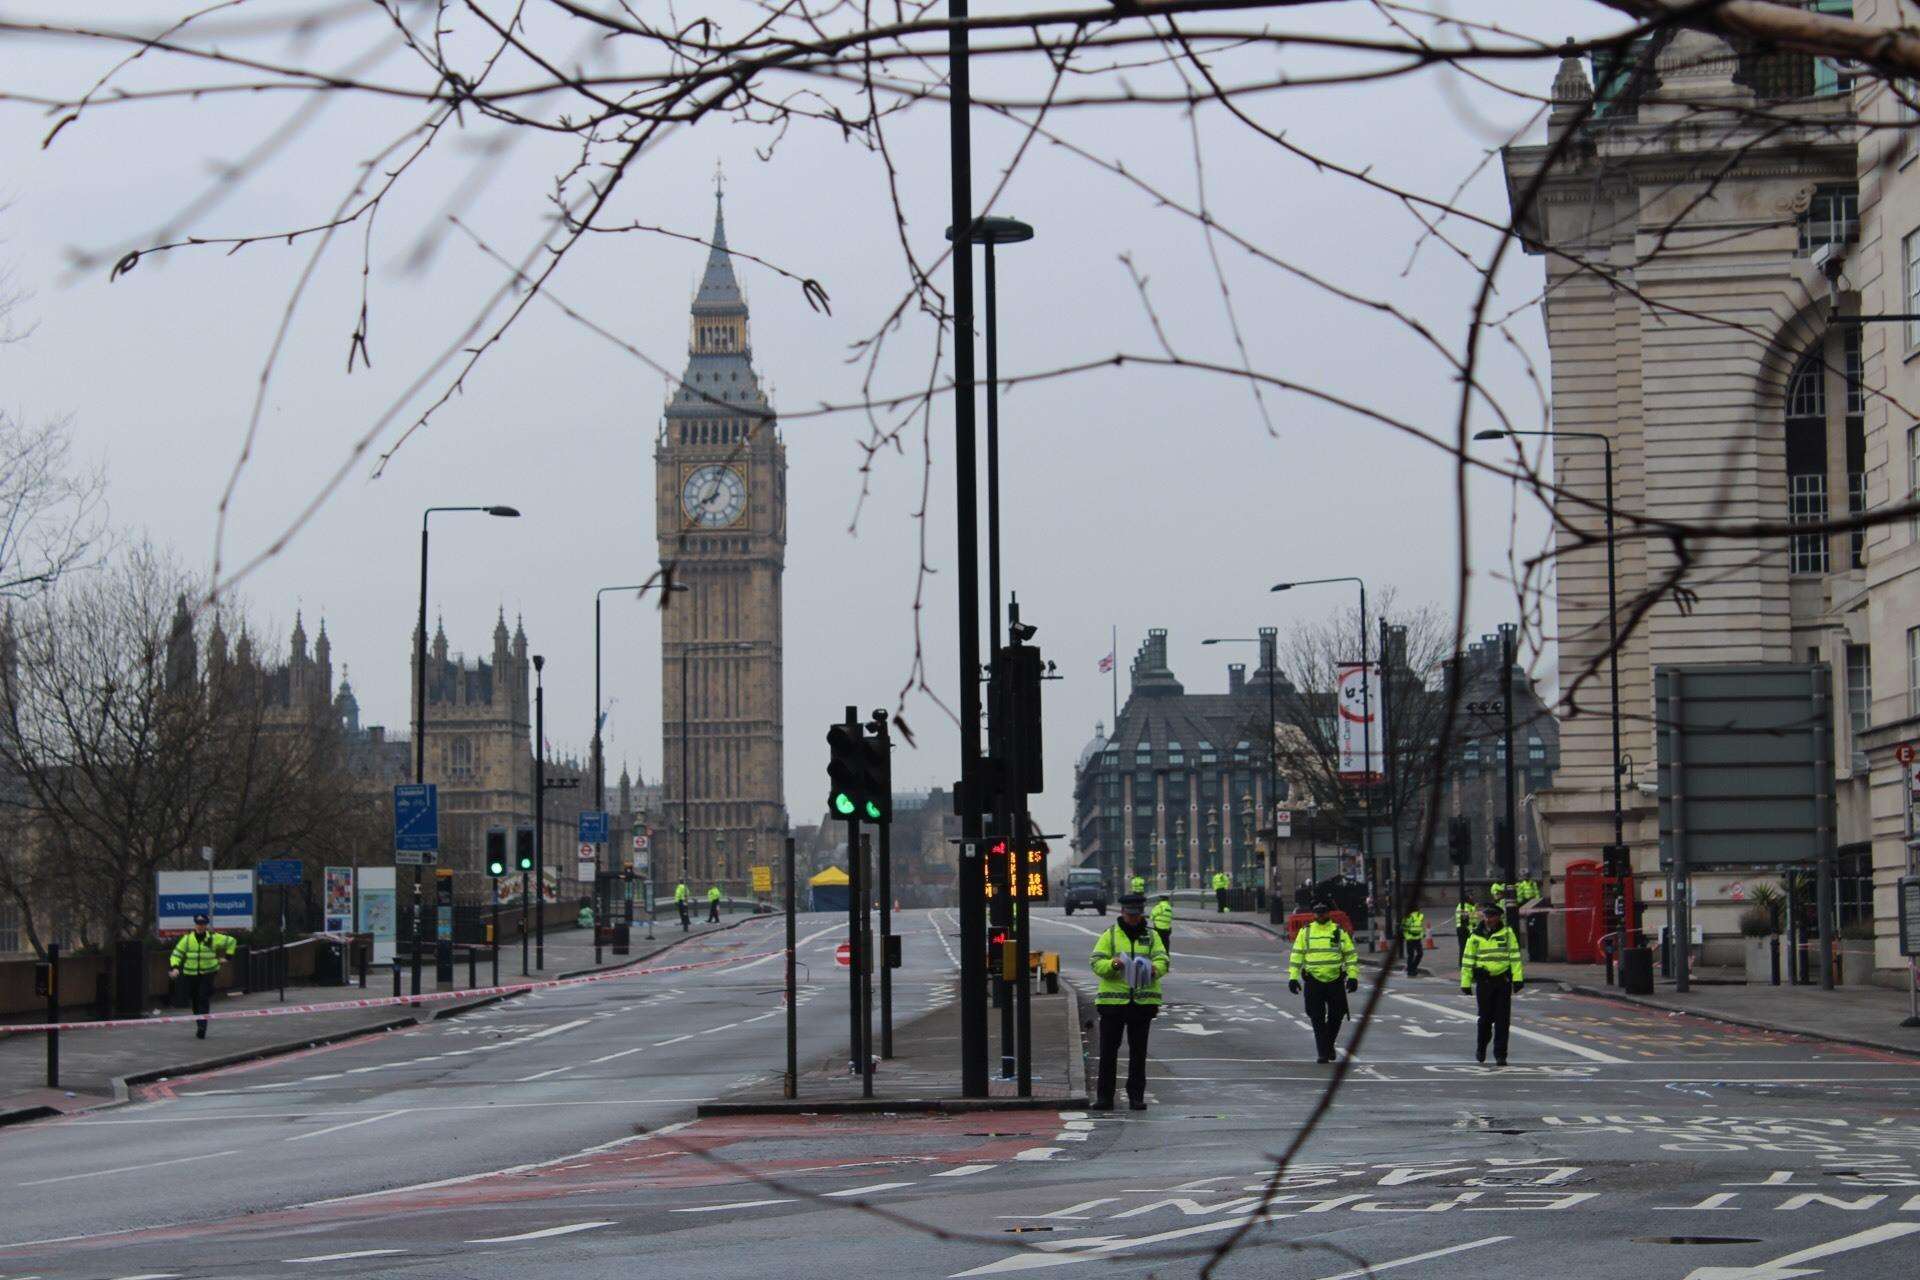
<point x="720" y="479"/>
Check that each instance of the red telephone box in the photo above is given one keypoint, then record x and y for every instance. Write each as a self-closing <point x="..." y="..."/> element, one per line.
<point x="1597" y="905"/>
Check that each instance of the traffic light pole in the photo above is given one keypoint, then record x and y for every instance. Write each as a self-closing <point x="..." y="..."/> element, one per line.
<point x="886" y="912"/>
<point x="973" y="975"/>
<point x="525" y="937"/>
<point x="856" y="1057"/>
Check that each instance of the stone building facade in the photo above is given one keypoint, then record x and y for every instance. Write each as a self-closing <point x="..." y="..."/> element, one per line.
<point x="720" y="475"/>
<point x="1171" y="792"/>
<point x="479" y="754"/>
<point x="1884" y="273"/>
<point x="1688" y="322"/>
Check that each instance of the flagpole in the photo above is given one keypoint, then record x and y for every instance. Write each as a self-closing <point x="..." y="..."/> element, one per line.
<point x="1113" y="652"/>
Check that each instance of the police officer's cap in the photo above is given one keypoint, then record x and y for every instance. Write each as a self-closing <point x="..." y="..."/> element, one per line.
<point x="201" y="918"/>
<point x="1132" y="901"/>
<point x="1492" y="911"/>
<point x="1321" y="904"/>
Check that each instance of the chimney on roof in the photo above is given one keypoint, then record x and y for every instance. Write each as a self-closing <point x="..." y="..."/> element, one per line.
<point x="1236" y="678"/>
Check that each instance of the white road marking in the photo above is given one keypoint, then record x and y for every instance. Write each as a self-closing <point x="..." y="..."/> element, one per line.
<point x="610" y="1057"/>
<point x="869" y="1188"/>
<point x="542" y="1075"/>
<point x="542" y="1233"/>
<point x="675" y="1040"/>
<point x="351" y="1124"/>
<point x="152" y="1275"/>
<point x="1067" y="924"/>
<point x="342" y="1257"/>
<point x="963" y="1171"/>
<point x="1418" y="1257"/>
<point x="737" y="1204"/>
<point x="1785" y="1265"/>
<point x="1038" y="1153"/>
<point x="1578" y="1050"/>
<point x="495" y="1173"/>
<point x="128" y="1168"/>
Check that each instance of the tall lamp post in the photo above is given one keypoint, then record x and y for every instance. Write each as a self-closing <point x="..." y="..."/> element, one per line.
<point x="992" y="231"/>
<point x="686" y="790"/>
<point x="1616" y="861"/>
<point x="1272" y="830"/>
<point x="1366" y="716"/>
<point x="539" y="816"/>
<point x="599" y="718"/>
<point x="420" y="705"/>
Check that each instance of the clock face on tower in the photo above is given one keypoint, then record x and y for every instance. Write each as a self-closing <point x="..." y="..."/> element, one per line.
<point x="713" y="496"/>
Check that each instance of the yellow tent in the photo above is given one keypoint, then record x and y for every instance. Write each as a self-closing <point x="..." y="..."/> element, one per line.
<point x="829" y="890"/>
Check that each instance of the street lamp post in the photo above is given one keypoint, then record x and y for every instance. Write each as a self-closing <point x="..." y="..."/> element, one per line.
<point x="420" y="711"/>
<point x="599" y="757"/>
<point x="686" y="791"/>
<point x="1366" y="716"/>
<point x="992" y="231"/>
<point x="1616" y="861"/>
<point x="1273" y="747"/>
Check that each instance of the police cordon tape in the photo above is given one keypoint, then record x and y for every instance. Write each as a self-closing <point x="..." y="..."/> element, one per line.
<point x="382" y="1002"/>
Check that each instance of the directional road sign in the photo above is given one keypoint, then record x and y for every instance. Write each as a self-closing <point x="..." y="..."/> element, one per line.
<point x="593" y="826"/>
<point x="416" y="823"/>
<point x="282" y="872"/>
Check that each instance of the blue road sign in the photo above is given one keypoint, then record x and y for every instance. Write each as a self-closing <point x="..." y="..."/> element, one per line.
<point x="284" y="872"/>
<point x="416" y="818"/>
<point x="593" y="826"/>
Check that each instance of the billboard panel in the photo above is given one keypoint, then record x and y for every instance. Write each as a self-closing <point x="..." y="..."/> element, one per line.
<point x="1359" y="719"/>
<point x="226" y="896"/>
<point x="1746" y="764"/>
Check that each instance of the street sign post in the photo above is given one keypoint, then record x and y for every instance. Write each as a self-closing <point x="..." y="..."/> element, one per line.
<point x="593" y="826"/>
<point x="416" y="824"/>
<point x="843" y="955"/>
<point x="279" y="873"/>
<point x="763" y="879"/>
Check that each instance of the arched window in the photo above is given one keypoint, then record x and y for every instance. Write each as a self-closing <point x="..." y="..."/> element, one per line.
<point x="460" y="758"/>
<point x="1811" y="479"/>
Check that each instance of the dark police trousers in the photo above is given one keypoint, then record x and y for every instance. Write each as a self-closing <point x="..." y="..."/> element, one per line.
<point x="1462" y="935"/>
<point x="1495" y="996"/>
<point x="713" y="911"/>
<point x="686" y="921"/>
<point x="1326" y="1009"/>
<point x="1220" y="899"/>
<point x="1415" y="949"/>
<point x="1133" y="1021"/>
<point x="198" y="988"/>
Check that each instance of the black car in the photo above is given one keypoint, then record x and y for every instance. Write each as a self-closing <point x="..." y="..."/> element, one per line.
<point x="1086" y="887"/>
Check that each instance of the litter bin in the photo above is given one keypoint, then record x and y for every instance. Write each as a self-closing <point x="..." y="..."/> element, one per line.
<point x="1636" y="971"/>
<point x="329" y="967"/>
<point x="1276" y="911"/>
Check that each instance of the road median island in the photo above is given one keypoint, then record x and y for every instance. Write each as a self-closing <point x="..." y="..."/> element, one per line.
<point x="104" y="1070"/>
<point x="923" y="1076"/>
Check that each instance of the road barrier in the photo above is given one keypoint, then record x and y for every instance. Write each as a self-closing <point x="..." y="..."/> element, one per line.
<point x="383" y="1002"/>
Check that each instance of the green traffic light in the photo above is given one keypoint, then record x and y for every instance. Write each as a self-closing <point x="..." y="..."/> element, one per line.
<point x="843" y="804"/>
<point x="526" y="864"/>
<point x="496" y="868"/>
<point x="873" y="811"/>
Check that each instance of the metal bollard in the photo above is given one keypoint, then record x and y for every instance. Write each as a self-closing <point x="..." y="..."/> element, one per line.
<point x="473" y="968"/>
<point x="396" y="975"/>
<point x="361" y="952"/>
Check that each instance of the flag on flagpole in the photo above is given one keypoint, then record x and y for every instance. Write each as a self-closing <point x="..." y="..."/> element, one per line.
<point x="1106" y="664"/>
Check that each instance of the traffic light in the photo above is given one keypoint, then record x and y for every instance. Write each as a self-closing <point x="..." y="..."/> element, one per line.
<point x="1014" y="705"/>
<point x="525" y="848"/>
<point x="874" y="785"/>
<point x="497" y="852"/>
<point x="1460" y="840"/>
<point x="844" y="767"/>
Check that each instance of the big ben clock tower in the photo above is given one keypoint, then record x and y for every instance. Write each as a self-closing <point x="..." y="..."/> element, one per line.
<point x="720" y="491"/>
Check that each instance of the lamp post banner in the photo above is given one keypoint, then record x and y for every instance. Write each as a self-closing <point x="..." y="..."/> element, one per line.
<point x="1356" y="763"/>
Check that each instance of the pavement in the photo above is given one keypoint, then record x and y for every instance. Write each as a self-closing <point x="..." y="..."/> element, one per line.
<point x="1861" y="1015"/>
<point x="560" y="1133"/>
<point x="98" y="1066"/>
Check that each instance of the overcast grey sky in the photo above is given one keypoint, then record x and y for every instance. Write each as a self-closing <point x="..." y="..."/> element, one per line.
<point x="1133" y="497"/>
